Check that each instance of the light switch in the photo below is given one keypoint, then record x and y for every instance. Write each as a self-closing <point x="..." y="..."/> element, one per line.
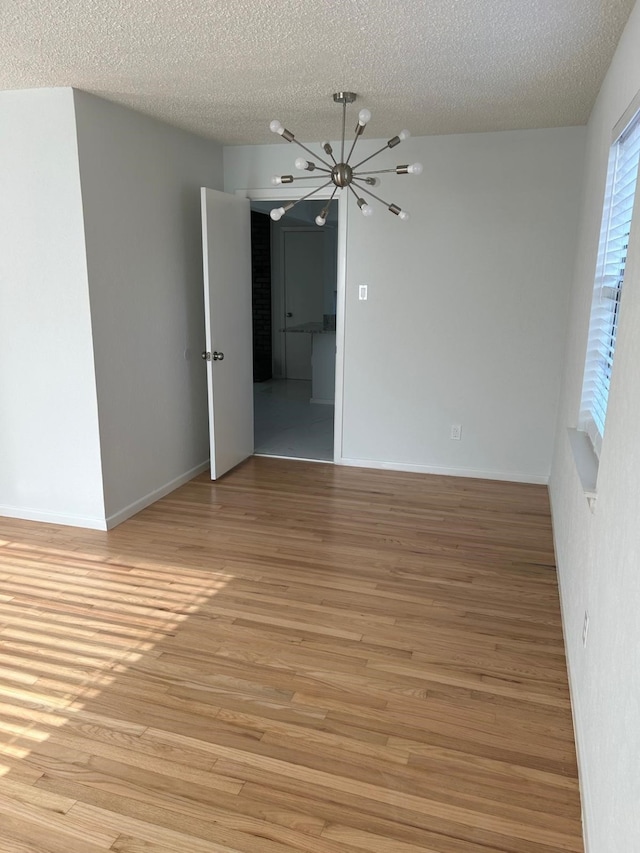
<point x="362" y="292"/>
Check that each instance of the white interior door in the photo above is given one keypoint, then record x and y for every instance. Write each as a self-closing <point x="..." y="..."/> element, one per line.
<point x="226" y="245"/>
<point x="303" y="265"/>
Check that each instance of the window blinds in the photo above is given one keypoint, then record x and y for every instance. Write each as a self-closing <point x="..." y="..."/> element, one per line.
<point x="612" y="255"/>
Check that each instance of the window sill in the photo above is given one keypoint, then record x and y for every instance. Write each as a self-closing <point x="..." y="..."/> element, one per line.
<point x="586" y="464"/>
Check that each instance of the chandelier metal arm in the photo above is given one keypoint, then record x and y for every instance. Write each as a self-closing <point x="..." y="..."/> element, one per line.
<point x="373" y="195"/>
<point x="321" y="219"/>
<point x="371" y="156"/>
<point x="277" y="213"/>
<point x="359" y="199"/>
<point x="313" y="153"/>
<point x="402" y="169"/>
<point x="289" y="179"/>
<point x="377" y="197"/>
<point x="377" y="172"/>
<point x="326" y="147"/>
<point x="354" y="192"/>
<point x="359" y="130"/>
<point x="331" y="197"/>
<point x="325" y="211"/>
<point x="344" y="127"/>
<point x="311" y="167"/>
<point x="308" y="195"/>
<point x="398" y="211"/>
<point x="365" y="208"/>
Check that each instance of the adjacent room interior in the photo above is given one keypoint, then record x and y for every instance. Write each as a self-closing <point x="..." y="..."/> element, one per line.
<point x="294" y="289"/>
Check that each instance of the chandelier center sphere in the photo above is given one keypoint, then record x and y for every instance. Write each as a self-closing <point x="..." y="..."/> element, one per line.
<point x="342" y="174"/>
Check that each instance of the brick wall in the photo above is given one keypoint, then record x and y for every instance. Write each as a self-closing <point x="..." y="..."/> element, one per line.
<point x="261" y="287"/>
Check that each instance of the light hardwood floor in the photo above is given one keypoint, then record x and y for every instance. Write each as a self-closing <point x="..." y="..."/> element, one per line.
<point x="301" y="657"/>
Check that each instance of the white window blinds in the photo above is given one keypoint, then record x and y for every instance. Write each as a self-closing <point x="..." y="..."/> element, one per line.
<point x="612" y="255"/>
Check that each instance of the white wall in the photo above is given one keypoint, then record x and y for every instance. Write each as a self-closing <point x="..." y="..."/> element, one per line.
<point x="140" y="192"/>
<point x="467" y="301"/>
<point x="599" y="554"/>
<point x="49" y="443"/>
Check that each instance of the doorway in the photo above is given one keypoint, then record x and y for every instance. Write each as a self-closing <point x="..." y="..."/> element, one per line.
<point x="294" y="284"/>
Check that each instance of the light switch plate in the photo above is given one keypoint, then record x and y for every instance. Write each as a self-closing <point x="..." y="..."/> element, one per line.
<point x="362" y="292"/>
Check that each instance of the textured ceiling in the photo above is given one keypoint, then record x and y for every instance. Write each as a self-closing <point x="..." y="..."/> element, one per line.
<point x="225" y="68"/>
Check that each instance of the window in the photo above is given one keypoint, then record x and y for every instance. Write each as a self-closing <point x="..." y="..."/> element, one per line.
<point x="612" y="256"/>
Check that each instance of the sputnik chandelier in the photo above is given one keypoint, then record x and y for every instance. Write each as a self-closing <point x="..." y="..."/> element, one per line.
<point x="341" y="174"/>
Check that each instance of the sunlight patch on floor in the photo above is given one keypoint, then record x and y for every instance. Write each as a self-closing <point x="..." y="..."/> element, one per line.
<point x="54" y="658"/>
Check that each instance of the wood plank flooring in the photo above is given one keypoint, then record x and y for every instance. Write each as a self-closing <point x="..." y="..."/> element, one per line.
<point x="300" y="657"/>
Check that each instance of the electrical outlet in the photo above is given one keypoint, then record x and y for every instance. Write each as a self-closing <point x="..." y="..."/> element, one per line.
<point x="585" y="628"/>
<point x="456" y="432"/>
<point x="363" y="292"/>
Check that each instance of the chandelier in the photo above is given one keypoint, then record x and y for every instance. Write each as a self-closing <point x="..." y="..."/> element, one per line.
<point x="342" y="175"/>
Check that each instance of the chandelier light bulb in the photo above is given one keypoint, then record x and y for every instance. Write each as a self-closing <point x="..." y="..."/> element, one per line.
<point x="301" y="164"/>
<point x="364" y="117"/>
<point x="403" y="215"/>
<point x="367" y="210"/>
<point x="404" y="134"/>
<point x="276" y="127"/>
<point x="275" y="180"/>
<point x="320" y="220"/>
<point x="277" y="213"/>
<point x="415" y="169"/>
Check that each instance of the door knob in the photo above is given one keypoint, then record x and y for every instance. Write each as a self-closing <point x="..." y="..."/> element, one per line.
<point x="206" y="356"/>
<point x="288" y="314"/>
<point x="218" y="356"/>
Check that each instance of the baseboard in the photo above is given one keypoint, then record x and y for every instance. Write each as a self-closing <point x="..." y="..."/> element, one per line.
<point x="582" y="783"/>
<point x="142" y="503"/>
<point x="473" y="473"/>
<point x="45" y="517"/>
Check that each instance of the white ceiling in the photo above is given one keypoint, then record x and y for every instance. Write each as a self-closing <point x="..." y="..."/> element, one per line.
<point x="225" y="68"/>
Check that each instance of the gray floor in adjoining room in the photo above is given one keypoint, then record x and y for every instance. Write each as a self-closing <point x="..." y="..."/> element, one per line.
<point x="287" y="424"/>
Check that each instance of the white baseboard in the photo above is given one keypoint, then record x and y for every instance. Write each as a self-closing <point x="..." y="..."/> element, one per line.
<point x="142" y="503"/>
<point x="111" y="521"/>
<point x="45" y="517"/>
<point x="582" y="779"/>
<point x="474" y="473"/>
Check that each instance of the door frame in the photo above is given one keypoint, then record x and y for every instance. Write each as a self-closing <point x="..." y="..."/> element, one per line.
<point x="291" y="194"/>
